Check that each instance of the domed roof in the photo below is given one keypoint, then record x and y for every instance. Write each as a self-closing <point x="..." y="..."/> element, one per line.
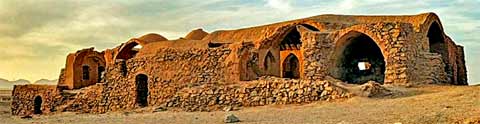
<point x="197" y="34"/>
<point x="152" y="37"/>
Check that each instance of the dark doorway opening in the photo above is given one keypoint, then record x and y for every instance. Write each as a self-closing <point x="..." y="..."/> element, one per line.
<point x="360" y="60"/>
<point x="85" y="72"/>
<point x="291" y="67"/>
<point x="142" y="90"/>
<point x="37" y="105"/>
<point x="101" y="69"/>
<point x="437" y="44"/>
<point x="269" y="62"/>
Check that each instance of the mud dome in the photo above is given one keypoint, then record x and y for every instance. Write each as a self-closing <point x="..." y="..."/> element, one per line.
<point x="289" y="62"/>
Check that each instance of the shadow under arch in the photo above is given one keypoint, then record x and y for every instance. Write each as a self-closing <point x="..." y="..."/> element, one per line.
<point x="291" y="67"/>
<point x="358" y="59"/>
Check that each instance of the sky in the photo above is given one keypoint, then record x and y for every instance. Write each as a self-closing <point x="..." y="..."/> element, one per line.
<point x="36" y="36"/>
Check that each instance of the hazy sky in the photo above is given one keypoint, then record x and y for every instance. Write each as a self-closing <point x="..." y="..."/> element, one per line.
<point x="36" y="35"/>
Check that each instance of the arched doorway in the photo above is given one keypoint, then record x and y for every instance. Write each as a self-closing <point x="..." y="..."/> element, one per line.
<point x="37" y="105"/>
<point x="291" y="67"/>
<point x="359" y="59"/>
<point x="141" y="81"/>
<point x="437" y="44"/>
<point x="269" y="63"/>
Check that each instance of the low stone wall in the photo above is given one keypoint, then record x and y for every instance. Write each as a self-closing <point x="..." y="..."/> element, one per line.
<point x="212" y="96"/>
<point x="255" y="93"/>
<point x="89" y="100"/>
<point x="24" y="95"/>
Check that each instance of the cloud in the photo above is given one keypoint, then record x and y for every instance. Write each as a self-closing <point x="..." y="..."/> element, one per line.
<point x="282" y="5"/>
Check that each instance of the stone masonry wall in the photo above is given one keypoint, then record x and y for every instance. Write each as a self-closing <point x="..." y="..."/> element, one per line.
<point x="168" y="71"/>
<point x="260" y="92"/>
<point x="88" y="100"/>
<point x="391" y="38"/>
<point x="24" y="95"/>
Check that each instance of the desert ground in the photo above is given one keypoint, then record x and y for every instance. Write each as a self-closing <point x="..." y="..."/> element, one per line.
<point x="416" y="105"/>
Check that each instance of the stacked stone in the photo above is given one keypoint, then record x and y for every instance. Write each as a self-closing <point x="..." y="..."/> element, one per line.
<point x="395" y="36"/>
<point x="88" y="100"/>
<point x="255" y="93"/>
<point x="168" y="71"/>
<point x="24" y="96"/>
<point x="432" y="69"/>
<point x="317" y="47"/>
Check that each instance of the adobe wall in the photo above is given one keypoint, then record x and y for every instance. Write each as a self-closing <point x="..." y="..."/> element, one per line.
<point x="72" y="76"/>
<point x="24" y="95"/>
<point x="168" y="71"/>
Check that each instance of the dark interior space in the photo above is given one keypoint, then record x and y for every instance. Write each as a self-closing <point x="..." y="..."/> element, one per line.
<point x="361" y="61"/>
<point x="291" y="67"/>
<point x="37" y="105"/>
<point x="142" y="89"/>
<point x="438" y="45"/>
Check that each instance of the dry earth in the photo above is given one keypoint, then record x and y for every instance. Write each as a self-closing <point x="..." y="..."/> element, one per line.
<point x="419" y="105"/>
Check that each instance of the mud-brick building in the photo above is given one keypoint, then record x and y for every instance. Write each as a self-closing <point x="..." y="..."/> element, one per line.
<point x="281" y="63"/>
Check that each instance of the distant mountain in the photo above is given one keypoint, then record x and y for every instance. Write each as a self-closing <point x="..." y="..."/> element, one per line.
<point x="6" y="84"/>
<point x="46" y="81"/>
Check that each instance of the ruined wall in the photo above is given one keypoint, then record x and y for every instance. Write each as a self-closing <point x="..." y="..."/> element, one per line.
<point x="24" y="96"/>
<point x="168" y="71"/>
<point x="261" y="92"/>
<point x="435" y="68"/>
<point x="321" y="50"/>
<point x="461" y="66"/>
<point x="73" y="74"/>
<point x="89" y="100"/>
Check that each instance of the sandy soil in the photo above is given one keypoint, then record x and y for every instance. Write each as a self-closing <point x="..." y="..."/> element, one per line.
<point x="422" y="105"/>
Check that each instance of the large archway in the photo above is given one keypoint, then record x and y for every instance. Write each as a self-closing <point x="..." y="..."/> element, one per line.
<point x="129" y="50"/>
<point x="359" y="59"/>
<point x="37" y="105"/>
<point x="141" y="81"/>
<point x="291" y="67"/>
<point x="437" y="44"/>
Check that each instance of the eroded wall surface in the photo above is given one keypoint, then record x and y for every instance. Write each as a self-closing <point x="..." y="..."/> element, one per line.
<point x="24" y="98"/>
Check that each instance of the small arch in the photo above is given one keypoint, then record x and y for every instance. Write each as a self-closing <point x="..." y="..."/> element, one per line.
<point x="269" y="61"/>
<point x="291" y="67"/>
<point x="37" y="105"/>
<point x="141" y="82"/>
<point x="358" y="59"/>
<point x="85" y="72"/>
